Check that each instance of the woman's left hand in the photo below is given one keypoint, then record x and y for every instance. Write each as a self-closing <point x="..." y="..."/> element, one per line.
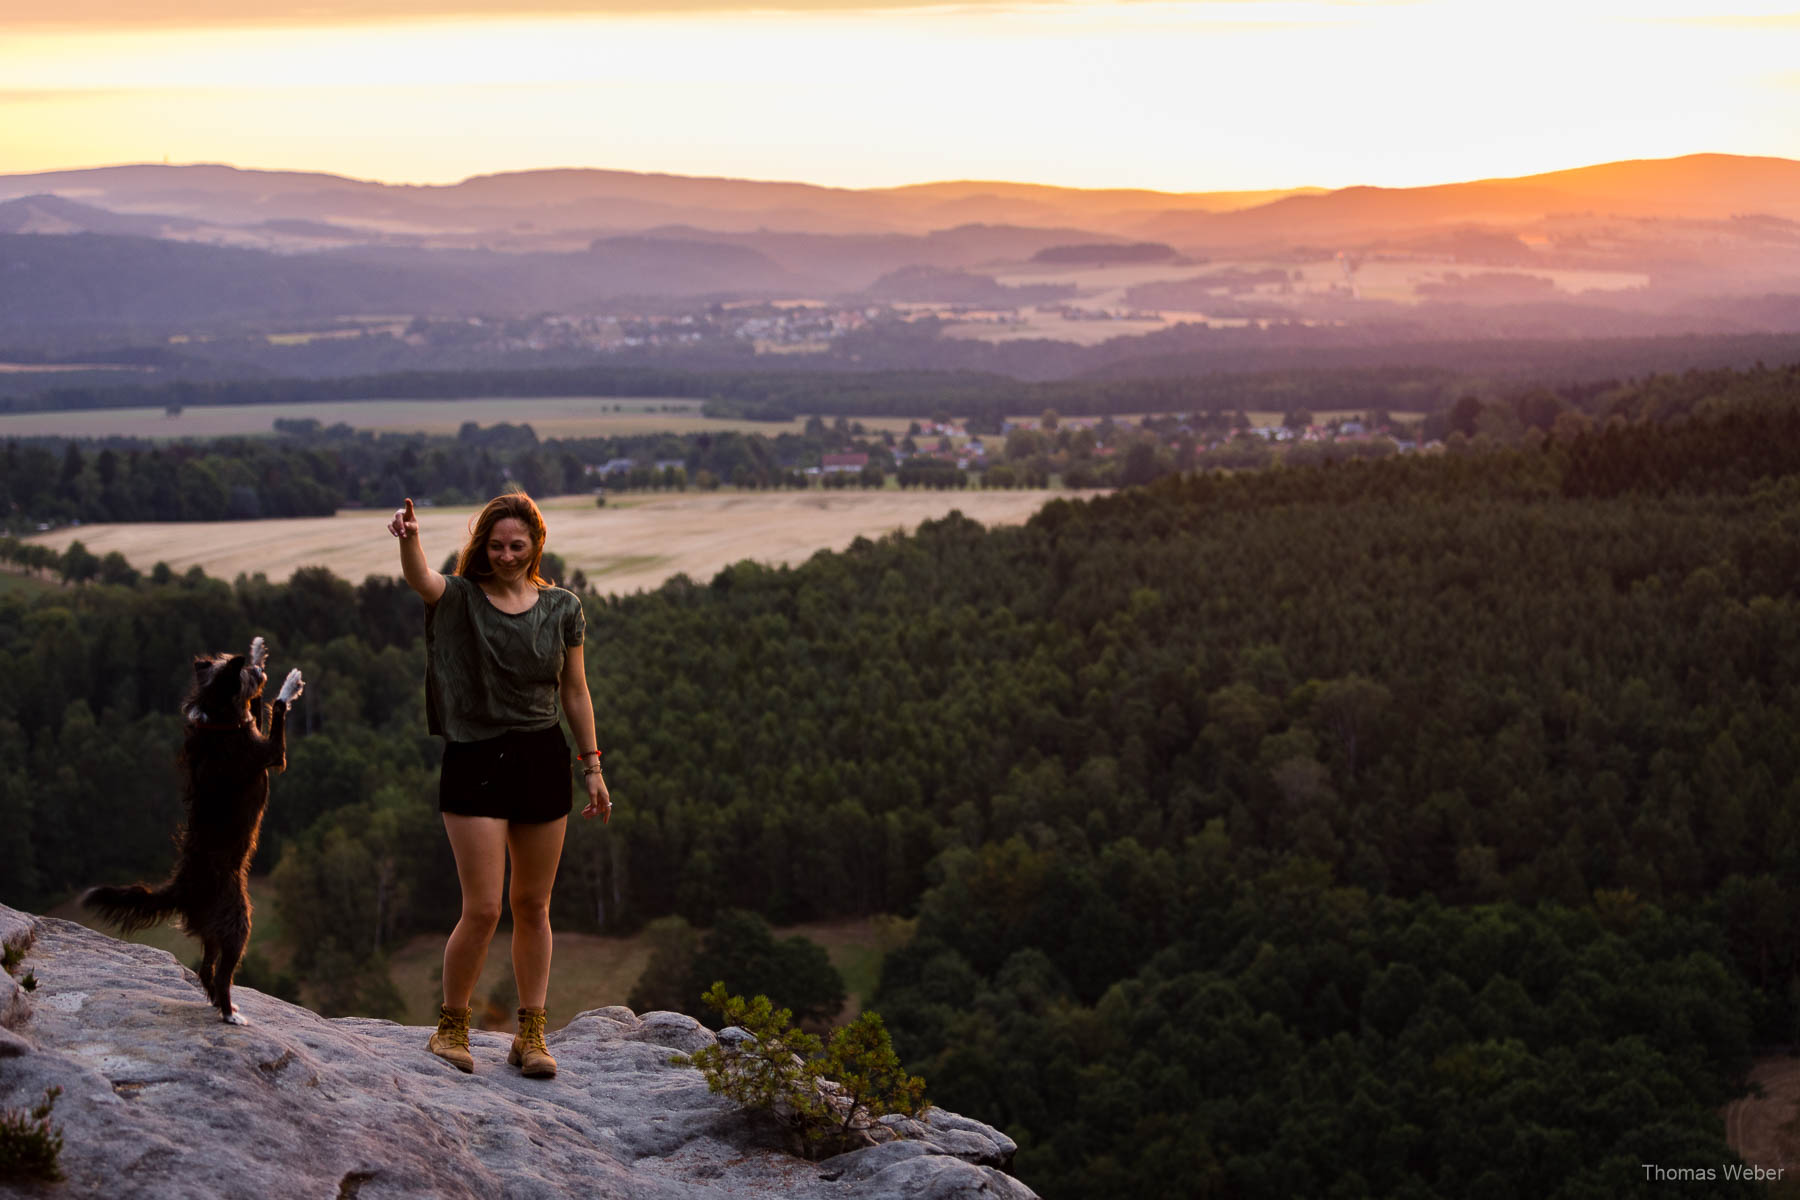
<point x="599" y="799"/>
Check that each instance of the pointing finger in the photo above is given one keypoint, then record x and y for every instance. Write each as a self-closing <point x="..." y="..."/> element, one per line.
<point x="409" y="509"/>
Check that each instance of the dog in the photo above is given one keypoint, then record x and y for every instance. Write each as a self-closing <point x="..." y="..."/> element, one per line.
<point x="226" y="756"/>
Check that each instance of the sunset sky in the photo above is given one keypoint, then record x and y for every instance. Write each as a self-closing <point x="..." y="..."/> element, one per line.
<point x="1180" y="96"/>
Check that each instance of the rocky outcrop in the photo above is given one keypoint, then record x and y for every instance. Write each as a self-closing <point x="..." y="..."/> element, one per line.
<point x="162" y="1099"/>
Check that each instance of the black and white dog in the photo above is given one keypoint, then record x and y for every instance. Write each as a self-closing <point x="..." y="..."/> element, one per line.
<point x="230" y="745"/>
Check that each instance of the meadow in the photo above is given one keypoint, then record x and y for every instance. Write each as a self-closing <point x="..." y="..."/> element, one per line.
<point x="1104" y="289"/>
<point x="1268" y="418"/>
<point x="549" y="417"/>
<point x="632" y="544"/>
<point x="1395" y="277"/>
<point x="1032" y="323"/>
<point x="589" y="971"/>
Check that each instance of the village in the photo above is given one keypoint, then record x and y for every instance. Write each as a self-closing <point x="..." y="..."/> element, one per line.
<point x="778" y="327"/>
<point x="765" y="327"/>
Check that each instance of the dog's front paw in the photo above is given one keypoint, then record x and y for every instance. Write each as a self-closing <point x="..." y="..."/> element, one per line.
<point x="291" y="687"/>
<point x="236" y="1017"/>
<point x="259" y="651"/>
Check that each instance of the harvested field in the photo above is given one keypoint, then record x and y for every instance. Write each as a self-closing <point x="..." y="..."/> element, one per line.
<point x="1032" y="324"/>
<point x="1765" y="1129"/>
<point x="633" y="544"/>
<point x="549" y="417"/>
<point x="589" y="971"/>
<point x="586" y="971"/>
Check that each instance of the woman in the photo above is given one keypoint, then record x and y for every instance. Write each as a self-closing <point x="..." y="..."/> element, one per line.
<point x="503" y="646"/>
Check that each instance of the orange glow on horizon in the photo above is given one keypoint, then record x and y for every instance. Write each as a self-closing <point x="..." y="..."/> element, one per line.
<point x="1172" y="96"/>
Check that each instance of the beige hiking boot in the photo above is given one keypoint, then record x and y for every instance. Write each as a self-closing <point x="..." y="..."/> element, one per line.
<point x="529" y="1053"/>
<point x="451" y="1041"/>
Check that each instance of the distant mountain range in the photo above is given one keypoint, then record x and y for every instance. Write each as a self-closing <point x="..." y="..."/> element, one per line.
<point x="529" y="205"/>
<point x="151" y="251"/>
<point x="523" y="207"/>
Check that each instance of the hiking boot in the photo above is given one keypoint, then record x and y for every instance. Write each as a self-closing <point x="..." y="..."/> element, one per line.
<point x="451" y="1041"/>
<point x="529" y="1053"/>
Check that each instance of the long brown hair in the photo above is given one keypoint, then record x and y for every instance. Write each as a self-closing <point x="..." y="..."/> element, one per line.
<point x="473" y="563"/>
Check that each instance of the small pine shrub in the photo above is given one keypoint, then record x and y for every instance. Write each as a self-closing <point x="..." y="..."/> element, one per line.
<point x="828" y="1094"/>
<point x="13" y="956"/>
<point x="29" y="1144"/>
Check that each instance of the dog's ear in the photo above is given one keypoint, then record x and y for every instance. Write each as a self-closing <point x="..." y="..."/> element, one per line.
<point x="202" y="666"/>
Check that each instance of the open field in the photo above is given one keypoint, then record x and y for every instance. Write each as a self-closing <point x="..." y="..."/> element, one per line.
<point x="1258" y="417"/>
<point x="1101" y="281"/>
<point x="1322" y="416"/>
<point x="1765" y="1129"/>
<point x="264" y="935"/>
<point x="27" y="585"/>
<point x="587" y="972"/>
<point x="1398" y="278"/>
<point x="549" y="416"/>
<point x="593" y="972"/>
<point x="1395" y="278"/>
<point x="1055" y="327"/>
<point x="633" y="544"/>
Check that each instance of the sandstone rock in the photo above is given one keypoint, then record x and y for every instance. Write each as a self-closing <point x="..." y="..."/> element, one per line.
<point x="16" y="928"/>
<point x="16" y="931"/>
<point x="158" y="1092"/>
<point x="958" y="1135"/>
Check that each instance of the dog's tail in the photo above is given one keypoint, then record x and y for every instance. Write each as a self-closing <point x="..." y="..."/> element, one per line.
<point x="134" y="906"/>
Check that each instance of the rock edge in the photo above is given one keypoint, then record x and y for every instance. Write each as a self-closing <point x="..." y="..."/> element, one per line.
<point x="156" y="1089"/>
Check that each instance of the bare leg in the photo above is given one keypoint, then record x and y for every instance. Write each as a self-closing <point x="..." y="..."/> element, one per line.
<point x="536" y="851"/>
<point x="479" y="844"/>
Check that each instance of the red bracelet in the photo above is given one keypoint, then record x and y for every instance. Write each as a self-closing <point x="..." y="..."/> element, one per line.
<point x="585" y="753"/>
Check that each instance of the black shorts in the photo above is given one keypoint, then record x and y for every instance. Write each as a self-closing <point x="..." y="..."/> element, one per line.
<point x="523" y="777"/>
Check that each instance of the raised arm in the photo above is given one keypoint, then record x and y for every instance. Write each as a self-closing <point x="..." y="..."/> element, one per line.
<point x="419" y="575"/>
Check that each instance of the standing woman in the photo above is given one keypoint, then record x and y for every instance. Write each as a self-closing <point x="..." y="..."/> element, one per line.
<point x="503" y="646"/>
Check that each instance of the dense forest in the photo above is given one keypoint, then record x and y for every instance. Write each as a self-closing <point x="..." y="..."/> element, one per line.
<point x="781" y="395"/>
<point x="1418" y="827"/>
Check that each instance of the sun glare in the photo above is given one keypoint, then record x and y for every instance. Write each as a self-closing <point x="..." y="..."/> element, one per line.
<point x="1175" y="96"/>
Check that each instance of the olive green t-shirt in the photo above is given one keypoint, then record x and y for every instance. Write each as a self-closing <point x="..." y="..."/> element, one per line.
<point x="489" y="672"/>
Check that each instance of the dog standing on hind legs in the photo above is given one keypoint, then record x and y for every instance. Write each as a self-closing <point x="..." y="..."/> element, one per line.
<point x="231" y="742"/>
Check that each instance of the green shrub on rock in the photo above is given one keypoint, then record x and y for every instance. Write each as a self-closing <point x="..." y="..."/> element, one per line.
<point x="29" y="1144"/>
<point x="829" y="1095"/>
